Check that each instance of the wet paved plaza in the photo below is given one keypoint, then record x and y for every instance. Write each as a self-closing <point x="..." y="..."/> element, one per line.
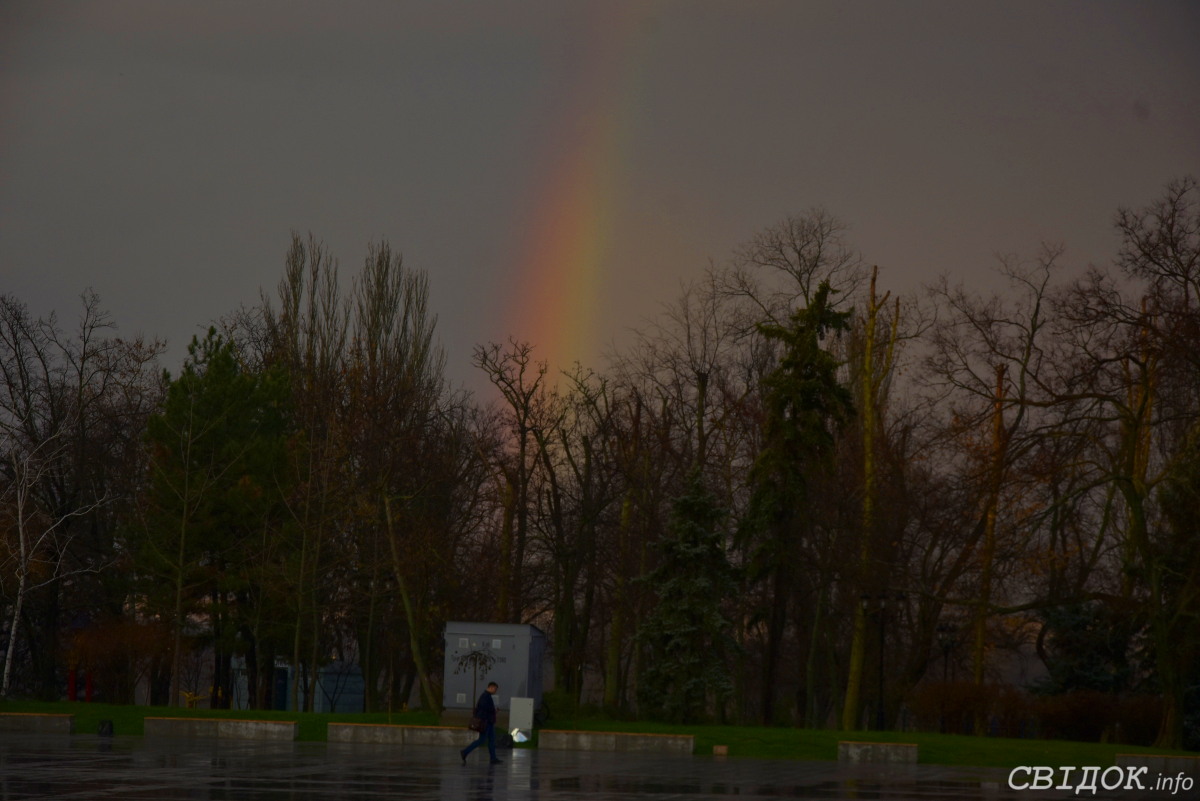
<point x="106" y="769"/>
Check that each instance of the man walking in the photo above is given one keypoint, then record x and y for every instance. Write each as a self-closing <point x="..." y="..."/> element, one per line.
<point x="485" y="710"/>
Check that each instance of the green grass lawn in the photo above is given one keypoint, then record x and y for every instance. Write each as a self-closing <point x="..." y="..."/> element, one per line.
<point x="743" y="741"/>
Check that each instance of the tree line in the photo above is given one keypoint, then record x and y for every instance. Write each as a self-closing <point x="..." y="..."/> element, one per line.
<point x="795" y="498"/>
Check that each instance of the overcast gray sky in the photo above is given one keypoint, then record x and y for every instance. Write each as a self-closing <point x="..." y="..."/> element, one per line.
<point x="557" y="168"/>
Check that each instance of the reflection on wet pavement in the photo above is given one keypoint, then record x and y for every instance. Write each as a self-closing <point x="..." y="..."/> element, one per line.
<point x="126" y="768"/>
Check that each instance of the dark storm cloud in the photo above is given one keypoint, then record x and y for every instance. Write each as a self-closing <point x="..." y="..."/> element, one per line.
<point x="162" y="152"/>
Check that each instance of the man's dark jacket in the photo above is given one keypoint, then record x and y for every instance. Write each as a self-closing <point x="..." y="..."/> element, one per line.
<point x="485" y="708"/>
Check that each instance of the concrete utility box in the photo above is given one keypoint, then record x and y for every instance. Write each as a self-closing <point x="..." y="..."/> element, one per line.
<point x="514" y="653"/>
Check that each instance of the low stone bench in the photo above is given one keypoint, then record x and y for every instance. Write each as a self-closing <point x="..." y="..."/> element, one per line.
<point x="395" y="734"/>
<point x="221" y="727"/>
<point x="1162" y="764"/>
<point x="37" y="722"/>
<point x="616" y="741"/>
<point x="890" y="753"/>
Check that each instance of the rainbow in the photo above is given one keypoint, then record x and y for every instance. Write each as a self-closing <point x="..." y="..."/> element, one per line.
<point x="562" y="253"/>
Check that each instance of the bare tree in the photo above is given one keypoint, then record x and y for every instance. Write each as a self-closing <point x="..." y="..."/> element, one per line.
<point x="307" y="336"/>
<point x="37" y="557"/>
<point x="579" y="488"/>
<point x="72" y="407"/>
<point x="876" y="359"/>
<point x="396" y="398"/>
<point x="1134" y="373"/>
<point x="781" y="268"/>
<point x="991" y="359"/>
<point x="527" y="409"/>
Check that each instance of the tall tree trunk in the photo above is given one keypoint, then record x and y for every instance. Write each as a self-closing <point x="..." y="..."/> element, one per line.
<point x="987" y="553"/>
<point x="858" y="658"/>
<point x="18" y="607"/>
<point x="616" y="633"/>
<point x="775" y="631"/>
<point x="298" y="622"/>
<point x="505" y="566"/>
<point x="177" y="609"/>
<point x="871" y="384"/>
<point x="414" y="630"/>
<point x="810" y="667"/>
<point x="369" y="657"/>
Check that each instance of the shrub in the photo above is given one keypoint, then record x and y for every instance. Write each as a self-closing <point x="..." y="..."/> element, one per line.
<point x="1093" y="716"/>
<point x="119" y="654"/>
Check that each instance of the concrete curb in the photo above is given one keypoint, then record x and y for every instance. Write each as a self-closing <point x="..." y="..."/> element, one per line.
<point x="616" y="741"/>
<point x="37" y="722"/>
<point x="888" y="753"/>
<point x="284" y="730"/>
<point x="396" y="734"/>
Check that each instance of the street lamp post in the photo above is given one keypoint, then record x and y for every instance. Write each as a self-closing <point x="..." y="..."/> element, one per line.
<point x="879" y="716"/>
<point x="946" y="635"/>
<point x="881" y="617"/>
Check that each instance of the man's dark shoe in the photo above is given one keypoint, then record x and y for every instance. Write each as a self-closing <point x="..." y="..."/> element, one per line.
<point x="497" y="761"/>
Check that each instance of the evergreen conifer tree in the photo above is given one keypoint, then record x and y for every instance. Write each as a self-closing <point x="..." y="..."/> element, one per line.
<point x="687" y="635"/>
